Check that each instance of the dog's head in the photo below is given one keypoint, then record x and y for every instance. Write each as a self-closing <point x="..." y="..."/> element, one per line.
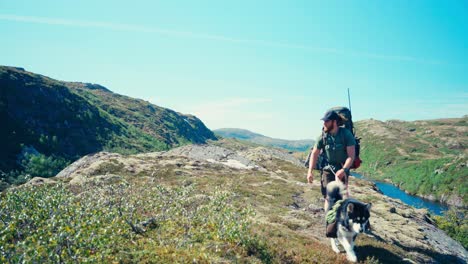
<point x="358" y="216"/>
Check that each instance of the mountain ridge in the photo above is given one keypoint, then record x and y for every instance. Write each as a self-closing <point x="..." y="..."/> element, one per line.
<point x="70" y="119"/>
<point x="244" y="134"/>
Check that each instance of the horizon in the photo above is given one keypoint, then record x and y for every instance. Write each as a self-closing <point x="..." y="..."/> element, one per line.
<point x="273" y="72"/>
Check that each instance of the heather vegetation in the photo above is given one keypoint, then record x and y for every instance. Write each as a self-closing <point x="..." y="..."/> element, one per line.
<point x="123" y="222"/>
<point x="51" y="123"/>
<point x="455" y="224"/>
<point x="426" y="158"/>
<point x="168" y="208"/>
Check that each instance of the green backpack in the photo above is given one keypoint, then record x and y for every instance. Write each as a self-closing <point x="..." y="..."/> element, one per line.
<point x="345" y="114"/>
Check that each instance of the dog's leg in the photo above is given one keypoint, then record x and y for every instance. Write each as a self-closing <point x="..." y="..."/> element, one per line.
<point x="334" y="245"/>
<point x="349" y="247"/>
<point x="351" y="242"/>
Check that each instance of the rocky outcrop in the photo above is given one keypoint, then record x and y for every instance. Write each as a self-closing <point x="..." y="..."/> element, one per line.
<point x="452" y="199"/>
<point x="393" y="223"/>
<point x="86" y="162"/>
<point x="259" y="154"/>
<point x="213" y="154"/>
<point x="397" y="223"/>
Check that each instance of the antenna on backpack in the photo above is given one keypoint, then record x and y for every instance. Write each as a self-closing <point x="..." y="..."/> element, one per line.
<point x="350" y="112"/>
<point x="349" y="101"/>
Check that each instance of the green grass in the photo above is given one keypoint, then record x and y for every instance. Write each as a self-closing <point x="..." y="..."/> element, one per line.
<point x="418" y="162"/>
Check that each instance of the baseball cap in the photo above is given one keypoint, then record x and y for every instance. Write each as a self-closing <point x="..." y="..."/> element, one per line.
<point x="330" y="115"/>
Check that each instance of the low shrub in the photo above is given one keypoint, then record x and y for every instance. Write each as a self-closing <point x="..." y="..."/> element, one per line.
<point x="100" y="222"/>
<point x="455" y="224"/>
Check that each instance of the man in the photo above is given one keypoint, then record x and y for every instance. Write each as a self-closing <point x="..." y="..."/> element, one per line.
<point x="338" y="144"/>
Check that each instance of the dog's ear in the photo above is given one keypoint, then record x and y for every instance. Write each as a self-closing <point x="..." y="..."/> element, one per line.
<point x="368" y="206"/>
<point x="350" y="208"/>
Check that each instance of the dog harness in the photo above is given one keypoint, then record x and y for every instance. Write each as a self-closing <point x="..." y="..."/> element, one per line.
<point x="331" y="214"/>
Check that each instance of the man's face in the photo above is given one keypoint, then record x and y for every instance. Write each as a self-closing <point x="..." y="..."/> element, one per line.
<point x="328" y="125"/>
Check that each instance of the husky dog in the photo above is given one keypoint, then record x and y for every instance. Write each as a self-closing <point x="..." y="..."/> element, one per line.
<point x="351" y="218"/>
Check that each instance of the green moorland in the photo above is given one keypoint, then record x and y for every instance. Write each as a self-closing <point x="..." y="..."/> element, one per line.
<point x="48" y="123"/>
<point x="150" y="208"/>
<point x="427" y="158"/>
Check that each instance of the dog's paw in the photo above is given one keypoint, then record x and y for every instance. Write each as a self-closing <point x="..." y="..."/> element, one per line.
<point x="337" y="251"/>
<point x="335" y="248"/>
<point x="334" y="245"/>
<point x="351" y="257"/>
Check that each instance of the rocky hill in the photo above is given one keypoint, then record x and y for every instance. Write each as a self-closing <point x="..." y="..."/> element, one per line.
<point x="428" y="158"/>
<point x="66" y="120"/>
<point x="225" y="202"/>
<point x="243" y="134"/>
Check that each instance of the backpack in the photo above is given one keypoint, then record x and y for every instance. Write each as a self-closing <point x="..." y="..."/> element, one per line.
<point x="347" y="123"/>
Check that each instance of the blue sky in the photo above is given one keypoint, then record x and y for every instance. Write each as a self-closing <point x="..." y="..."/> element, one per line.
<point x="272" y="67"/>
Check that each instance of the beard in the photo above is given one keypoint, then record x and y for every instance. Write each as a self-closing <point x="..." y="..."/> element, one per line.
<point x="328" y="127"/>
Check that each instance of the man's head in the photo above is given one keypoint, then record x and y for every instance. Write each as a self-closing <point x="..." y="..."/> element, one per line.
<point x="330" y="120"/>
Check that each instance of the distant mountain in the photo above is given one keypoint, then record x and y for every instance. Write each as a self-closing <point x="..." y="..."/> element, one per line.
<point x="243" y="134"/>
<point x="67" y="120"/>
<point x="428" y="158"/>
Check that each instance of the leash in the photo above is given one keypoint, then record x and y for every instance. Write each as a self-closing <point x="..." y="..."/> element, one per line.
<point x="337" y="179"/>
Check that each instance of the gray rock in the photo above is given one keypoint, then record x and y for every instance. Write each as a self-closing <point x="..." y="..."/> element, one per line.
<point x="268" y="153"/>
<point x="84" y="162"/>
<point x="40" y="181"/>
<point x="213" y="154"/>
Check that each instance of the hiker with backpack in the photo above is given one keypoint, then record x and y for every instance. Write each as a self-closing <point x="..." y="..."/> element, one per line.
<point x="335" y="150"/>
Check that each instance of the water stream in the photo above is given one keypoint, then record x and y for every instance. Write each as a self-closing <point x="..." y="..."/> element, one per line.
<point x="415" y="201"/>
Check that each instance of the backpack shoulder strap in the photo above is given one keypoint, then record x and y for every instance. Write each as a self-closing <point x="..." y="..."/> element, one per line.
<point x="324" y="137"/>
<point x="342" y="135"/>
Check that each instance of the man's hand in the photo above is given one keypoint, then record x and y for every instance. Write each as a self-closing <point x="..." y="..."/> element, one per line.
<point x="310" y="177"/>
<point x="340" y="174"/>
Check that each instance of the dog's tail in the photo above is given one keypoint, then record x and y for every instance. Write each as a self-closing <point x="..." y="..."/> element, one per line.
<point x="335" y="191"/>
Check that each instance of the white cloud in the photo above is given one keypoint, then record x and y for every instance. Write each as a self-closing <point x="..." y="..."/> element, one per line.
<point x="232" y="103"/>
<point x="186" y="34"/>
<point x="233" y="112"/>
